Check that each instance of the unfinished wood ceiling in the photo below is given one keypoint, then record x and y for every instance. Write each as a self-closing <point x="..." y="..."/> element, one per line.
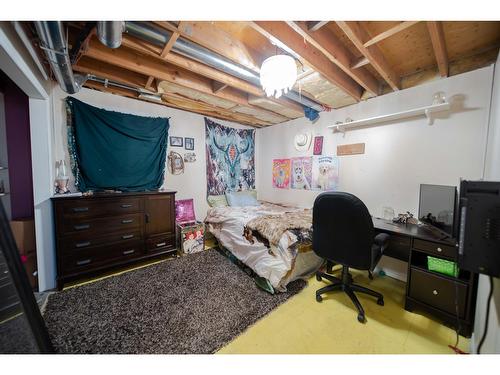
<point x="338" y="62"/>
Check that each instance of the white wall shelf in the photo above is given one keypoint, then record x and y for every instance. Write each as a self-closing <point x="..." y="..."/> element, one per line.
<point x="427" y="111"/>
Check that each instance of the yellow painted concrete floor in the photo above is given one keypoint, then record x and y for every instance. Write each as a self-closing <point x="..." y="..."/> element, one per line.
<point x="303" y="326"/>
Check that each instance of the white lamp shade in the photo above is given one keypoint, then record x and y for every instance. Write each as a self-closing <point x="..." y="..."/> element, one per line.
<point x="278" y="75"/>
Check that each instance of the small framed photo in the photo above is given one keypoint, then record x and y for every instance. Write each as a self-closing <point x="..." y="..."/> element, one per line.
<point x="189" y="143"/>
<point x="318" y="145"/>
<point x="176" y="141"/>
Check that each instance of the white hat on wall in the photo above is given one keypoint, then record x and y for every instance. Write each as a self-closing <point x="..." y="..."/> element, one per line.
<point x="302" y="141"/>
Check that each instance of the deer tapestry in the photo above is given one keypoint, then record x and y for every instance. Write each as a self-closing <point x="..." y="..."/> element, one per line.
<point x="230" y="158"/>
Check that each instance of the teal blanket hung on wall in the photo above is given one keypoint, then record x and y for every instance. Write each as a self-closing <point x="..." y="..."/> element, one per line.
<point x="113" y="150"/>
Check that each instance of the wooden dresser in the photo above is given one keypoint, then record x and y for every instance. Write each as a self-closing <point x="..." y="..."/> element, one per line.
<point x="102" y="231"/>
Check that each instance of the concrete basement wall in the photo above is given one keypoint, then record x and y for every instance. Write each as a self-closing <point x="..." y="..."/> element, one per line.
<point x="399" y="156"/>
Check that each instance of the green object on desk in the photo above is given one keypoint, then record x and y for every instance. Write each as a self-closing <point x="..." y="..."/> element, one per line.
<point x="446" y="267"/>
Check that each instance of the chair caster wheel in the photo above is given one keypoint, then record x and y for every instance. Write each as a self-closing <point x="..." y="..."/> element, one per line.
<point x="319" y="298"/>
<point x="318" y="277"/>
<point x="361" y="318"/>
<point x="380" y="302"/>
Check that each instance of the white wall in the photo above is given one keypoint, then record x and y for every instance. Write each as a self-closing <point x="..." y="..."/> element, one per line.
<point x="398" y="156"/>
<point x="492" y="172"/>
<point x="192" y="183"/>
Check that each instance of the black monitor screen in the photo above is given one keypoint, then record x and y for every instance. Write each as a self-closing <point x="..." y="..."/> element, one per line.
<point x="437" y="206"/>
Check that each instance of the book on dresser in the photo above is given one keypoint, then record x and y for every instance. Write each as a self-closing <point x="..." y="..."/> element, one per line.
<point x="103" y="231"/>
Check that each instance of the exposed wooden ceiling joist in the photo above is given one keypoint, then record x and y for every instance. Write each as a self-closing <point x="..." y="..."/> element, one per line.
<point x="358" y="36"/>
<point x="359" y="63"/>
<point x="332" y="48"/>
<point x="315" y="25"/>
<point x="393" y="30"/>
<point x="439" y="45"/>
<point x="310" y="55"/>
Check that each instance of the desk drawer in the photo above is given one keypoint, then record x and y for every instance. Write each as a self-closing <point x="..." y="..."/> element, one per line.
<point x="437" y="291"/>
<point x="105" y="225"/>
<point x="435" y="248"/>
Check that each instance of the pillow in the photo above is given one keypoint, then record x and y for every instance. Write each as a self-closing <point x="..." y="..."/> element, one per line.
<point x="241" y="198"/>
<point x="217" y="200"/>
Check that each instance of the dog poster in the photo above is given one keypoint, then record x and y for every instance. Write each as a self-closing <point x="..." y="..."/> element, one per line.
<point x="302" y="173"/>
<point x="325" y="172"/>
<point x="281" y="173"/>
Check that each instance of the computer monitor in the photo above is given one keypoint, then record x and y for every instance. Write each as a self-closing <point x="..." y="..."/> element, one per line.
<point x="438" y="207"/>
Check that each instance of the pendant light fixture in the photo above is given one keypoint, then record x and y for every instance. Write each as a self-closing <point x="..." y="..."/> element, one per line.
<point x="278" y="75"/>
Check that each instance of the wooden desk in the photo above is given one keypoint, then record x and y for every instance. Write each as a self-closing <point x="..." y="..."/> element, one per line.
<point x="432" y="292"/>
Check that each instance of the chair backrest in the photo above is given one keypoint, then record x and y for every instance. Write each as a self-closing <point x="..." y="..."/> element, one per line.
<point x="343" y="229"/>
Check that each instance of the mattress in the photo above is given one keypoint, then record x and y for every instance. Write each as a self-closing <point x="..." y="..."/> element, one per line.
<point x="289" y="260"/>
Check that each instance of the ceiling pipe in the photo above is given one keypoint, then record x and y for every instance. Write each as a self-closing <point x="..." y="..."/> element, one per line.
<point x="159" y="37"/>
<point x="110" y="33"/>
<point x="53" y="43"/>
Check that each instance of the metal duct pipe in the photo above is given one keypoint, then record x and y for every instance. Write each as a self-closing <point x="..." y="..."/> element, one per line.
<point x="54" y="45"/>
<point x="159" y="37"/>
<point x="110" y="33"/>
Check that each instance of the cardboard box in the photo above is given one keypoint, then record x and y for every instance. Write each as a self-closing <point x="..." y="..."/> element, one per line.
<point x="24" y="235"/>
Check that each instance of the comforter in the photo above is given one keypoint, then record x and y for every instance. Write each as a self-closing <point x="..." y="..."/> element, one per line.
<point x="283" y="259"/>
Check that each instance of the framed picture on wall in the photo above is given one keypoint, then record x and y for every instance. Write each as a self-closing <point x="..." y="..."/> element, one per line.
<point x="176" y="141"/>
<point x="189" y="143"/>
<point x="318" y="145"/>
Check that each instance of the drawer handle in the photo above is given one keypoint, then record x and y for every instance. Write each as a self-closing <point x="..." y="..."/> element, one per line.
<point x="127" y="236"/>
<point x="128" y="252"/>
<point x="161" y="244"/>
<point x="435" y="292"/>
<point x="439" y="249"/>
<point x="128" y="221"/>
<point x="126" y="206"/>
<point x="81" y="226"/>
<point x="80" y="209"/>
<point x="83" y="262"/>
<point x="82" y="244"/>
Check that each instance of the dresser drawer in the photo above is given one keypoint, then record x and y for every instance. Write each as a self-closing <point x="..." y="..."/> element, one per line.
<point x="101" y="255"/>
<point x="92" y="227"/>
<point x="90" y="208"/>
<point x="160" y="243"/>
<point x="82" y="241"/>
<point x="438" y="291"/>
<point x="435" y="248"/>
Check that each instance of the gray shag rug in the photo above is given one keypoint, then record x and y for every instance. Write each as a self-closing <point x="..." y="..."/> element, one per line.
<point x="194" y="304"/>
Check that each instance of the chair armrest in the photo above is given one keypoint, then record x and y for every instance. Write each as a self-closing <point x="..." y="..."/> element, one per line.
<point x="381" y="240"/>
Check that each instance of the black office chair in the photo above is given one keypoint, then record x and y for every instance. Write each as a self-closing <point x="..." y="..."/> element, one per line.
<point x="343" y="234"/>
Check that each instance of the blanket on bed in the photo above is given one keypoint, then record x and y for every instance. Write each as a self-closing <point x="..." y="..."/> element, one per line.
<point x="270" y="228"/>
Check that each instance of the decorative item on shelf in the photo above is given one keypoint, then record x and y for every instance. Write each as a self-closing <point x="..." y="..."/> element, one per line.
<point x="318" y="145"/>
<point x="62" y="178"/>
<point x="406" y="218"/>
<point x="191" y="233"/>
<point x="278" y="75"/>
<point x="189" y="143"/>
<point x="302" y="141"/>
<point x="189" y="157"/>
<point x="176" y="141"/>
<point x="175" y="163"/>
<point x="438" y="98"/>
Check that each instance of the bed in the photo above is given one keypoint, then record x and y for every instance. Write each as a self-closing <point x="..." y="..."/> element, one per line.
<point x="280" y="260"/>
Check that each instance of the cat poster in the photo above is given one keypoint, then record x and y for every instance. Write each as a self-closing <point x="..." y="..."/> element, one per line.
<point x="302" y="173"/>
<point x="281" y="173"/>
<point x="325" y="172"/>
